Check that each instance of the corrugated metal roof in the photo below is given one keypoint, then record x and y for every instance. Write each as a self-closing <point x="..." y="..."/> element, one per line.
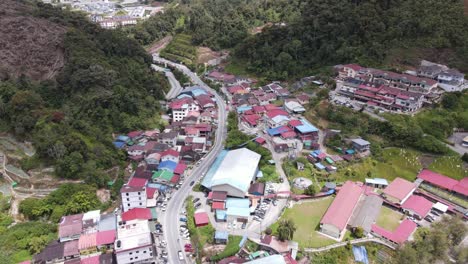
<point x="221" y="234"/>
<point x="237" y="202"/>
<point x="236" y="211"/>
<point x="237" y="169"/>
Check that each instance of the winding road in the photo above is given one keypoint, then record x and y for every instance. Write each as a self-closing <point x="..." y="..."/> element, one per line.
<point x="176" y="88"/>
<point x="170" y="220"/>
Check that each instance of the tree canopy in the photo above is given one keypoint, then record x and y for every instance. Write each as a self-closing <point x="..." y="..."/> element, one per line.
<point x="105" y="86"/>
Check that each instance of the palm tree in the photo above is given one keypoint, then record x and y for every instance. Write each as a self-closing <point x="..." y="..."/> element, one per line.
<point x="286" y="229"/>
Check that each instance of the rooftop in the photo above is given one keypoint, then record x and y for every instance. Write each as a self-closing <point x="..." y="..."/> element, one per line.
<point x="341" y="209"/>
<point x="437" y="179"/>
<point x="400" y="235"/>
<point x="201" y="218"/>
<point x="70" y="225"/>
<point x="236" y="169"/>
<point x="366" y="212"/>
<point x="133" y="234"/>
<point x="418" y="204"/>
<point x="273" y="259"/>
<point x="399" y="188"/>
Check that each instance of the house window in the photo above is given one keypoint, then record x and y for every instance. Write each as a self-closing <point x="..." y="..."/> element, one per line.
<point x="138" y="193"/>
<point x="144" y="251"/>
<point x="128" y="199"/>
<point x="131" y="258"/>
<point x="131" y="253"/>
<point x="128" y="204"/>
<point x="126" y="194"/>
<point x="138" y="252"/>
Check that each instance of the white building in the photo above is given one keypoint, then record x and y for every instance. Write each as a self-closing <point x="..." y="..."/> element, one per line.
<point x="294" y="107"/>
<point x="235" y="173"/>
<point x="133" y="243"/>
<point x="180" y="112"/>
<point x="133" y="197"/>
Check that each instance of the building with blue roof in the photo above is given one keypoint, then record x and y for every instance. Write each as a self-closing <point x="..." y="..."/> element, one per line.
<point x="237" y="202"/>
<point x="377" y="182"/>
<point x="168" y="165"/>
<point x="319" y="166"/>
<point x="221" y="215"/>
<point x="237" y="214"/>
<point x="119" y="144"/>
<point x="123" y="138"/>
<point x="221" y="237"/>
<point x="214" y="167"/>
<point x="242" y="109"/>
<point x="277" y="130"/>
<point x="306" y="127"/>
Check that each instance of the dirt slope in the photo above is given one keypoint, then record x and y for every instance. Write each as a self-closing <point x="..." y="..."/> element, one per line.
<point x="28" y="45"/>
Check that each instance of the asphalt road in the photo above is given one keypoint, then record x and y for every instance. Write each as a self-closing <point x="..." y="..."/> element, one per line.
<point x="170" y="219"/>
<point x="176" y="88"/>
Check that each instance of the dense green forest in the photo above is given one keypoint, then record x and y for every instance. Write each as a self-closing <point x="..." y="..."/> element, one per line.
<point x="305" y="35"/>
<point x="105" y="86"/>
<point x="363" y="31"/>
<point x="216" y="23"/>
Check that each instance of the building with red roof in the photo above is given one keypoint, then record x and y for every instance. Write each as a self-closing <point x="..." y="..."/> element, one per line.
<point x="288" y="135"/>
<point x="170" y="154"/>
<point x="201" y="219"/>
<point x="137" y="213"/>
<point x="217" y="206"/>
<point x="251" y="120"/>
<point x="180" y="169"/>
<point x="336" y="218"/>
<point x="276" y="112"/>
<point x="134" y="134"/>
<point x="444" y="182"/>
<point x="259" y="109"/>
<point x="461" y="187"/>
<point x="105" y="238"/>
<point x="137" y="182"/>
<point x="437" y="179"/>
<point x="400" y="235"/>
<point x="417" y="206"/>
<point x="294" y="123"/>
<point x="260" y="140"/>
<point x="399" y="190"/>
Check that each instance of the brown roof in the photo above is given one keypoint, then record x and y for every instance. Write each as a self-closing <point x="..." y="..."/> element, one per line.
<point x="219" y="196"/>
<point x="53" y="251"/>
<point x="70" y="225"/>
<point x="258" y="187"/>
<point x="70" y="248"/>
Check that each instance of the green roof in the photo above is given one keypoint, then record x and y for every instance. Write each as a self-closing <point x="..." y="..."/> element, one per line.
<point x="153" y="213"/>
<point x="329" y="160"/>
<point x="163" y="175"/>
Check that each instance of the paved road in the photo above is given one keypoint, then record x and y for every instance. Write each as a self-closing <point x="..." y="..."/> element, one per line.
<point x="176" y="88"/>
<point x="170" y="219"/>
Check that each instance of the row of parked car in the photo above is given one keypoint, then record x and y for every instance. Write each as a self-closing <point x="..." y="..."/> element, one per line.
<point x="261" y="209"/>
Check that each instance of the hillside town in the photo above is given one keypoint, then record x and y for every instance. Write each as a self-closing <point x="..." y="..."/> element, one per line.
<point x="223" y="132"/>
<point x="233" y="199"/>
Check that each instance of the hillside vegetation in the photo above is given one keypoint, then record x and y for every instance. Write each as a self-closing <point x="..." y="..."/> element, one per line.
<point x="181" y="49"/>
<point x="105" y="85"/>
<point x="365" y="31"/>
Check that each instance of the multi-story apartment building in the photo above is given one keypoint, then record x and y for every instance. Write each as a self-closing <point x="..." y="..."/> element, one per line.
<point x="133" y="197"/>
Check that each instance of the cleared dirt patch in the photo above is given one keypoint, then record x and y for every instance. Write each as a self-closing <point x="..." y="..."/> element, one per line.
<point x="205" y="55"/>
<point x="159" y="45"/>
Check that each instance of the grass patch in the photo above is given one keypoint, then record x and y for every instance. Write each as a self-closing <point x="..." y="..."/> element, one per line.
<point x="201" y="235"/>
<point x="446" y="195"/>
<point x="307" y="217"/>
<point x="388" y="218"/>
<point x="395" y="162"/>
<point x="451" y="166"/>
<point x="181" y="49"/>
<point x="231" y="248"/>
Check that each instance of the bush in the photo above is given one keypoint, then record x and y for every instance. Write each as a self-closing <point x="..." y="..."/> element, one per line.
<point x="230" y="250"/>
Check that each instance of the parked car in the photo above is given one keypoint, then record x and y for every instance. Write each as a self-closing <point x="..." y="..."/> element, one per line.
<point x="183" y="219"/>
<point x="181" y="255"/>
<point x="197" y="205"/>
<point x="196" y="200"/>
<point x="192" y="183"/>
<point x="244" y="225"/>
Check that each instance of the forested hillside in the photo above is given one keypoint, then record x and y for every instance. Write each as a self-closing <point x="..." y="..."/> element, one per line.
<point x="304" y="35"/>
<point x="363" y="31"/>
<point x="104" y="86"/>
